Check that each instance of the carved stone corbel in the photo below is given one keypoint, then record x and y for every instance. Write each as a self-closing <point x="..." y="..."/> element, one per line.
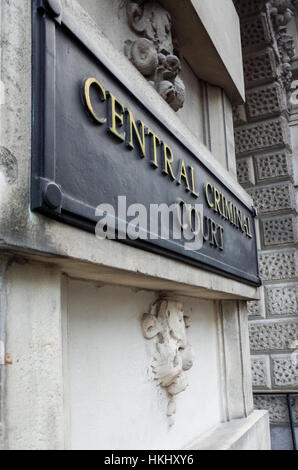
<point x="152" y="51"/>
<point x="166" y="325"/>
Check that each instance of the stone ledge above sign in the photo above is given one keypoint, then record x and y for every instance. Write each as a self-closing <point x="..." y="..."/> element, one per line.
<point x="217" y="37"/>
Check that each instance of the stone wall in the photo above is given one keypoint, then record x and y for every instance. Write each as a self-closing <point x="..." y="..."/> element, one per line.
<point x="44" y="255"/>
<point x="265" y="166"/>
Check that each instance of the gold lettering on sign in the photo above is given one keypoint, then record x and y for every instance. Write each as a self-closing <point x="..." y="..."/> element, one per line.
<point x="103" y="97"/>
<point x="168" y="160"/>
<point x="115" y="119"/>
<point x="134" y="130"/>
<point x="154" y="141"/>
<point x="182" y="173"/>
<point x="193" y="192"/>
<point x="122" y="124"/>
<point x="209" y="188"/>
<point x="246" y="226"/>
<point x="217" y="201"/>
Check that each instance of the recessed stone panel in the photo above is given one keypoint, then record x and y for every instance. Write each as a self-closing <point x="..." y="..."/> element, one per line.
<point x="262" y="135"/>
<point x="273" y="197"/>
<point x="279" y="230"/>
<point x="248" y="7"/>
<point x="256" y="308"/>
<point x="273" y="335"/>
<point x="255" y="32"/>
<point x="282" y="299"/>
<point x="245" y="171"/>
<point x="275" y="265"/>
<point x="265" y="101"/>
<point x="285" y="370"/>
<point x="273" y="165"/>
<point x="261" y="372"/>
<point x="259" y="68"/>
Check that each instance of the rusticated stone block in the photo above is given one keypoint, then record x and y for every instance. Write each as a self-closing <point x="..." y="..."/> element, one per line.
<point x="275" y="265"/>
<point x="255" y="32"/>
<point x="285" y="370"/>
<point x="245" y="171"/>
<point x="274" y="197"/>
<point x="248" y="7"/>
<point x="277" y="407"/>
<point x="265" y="101"/>
<point x="282" y="300"/>
<point x="239" y="115"/>
<point x="259" y="68"/>
<point x="279" y="230"/>
<point x="273" y="165"/>
<point x="273" y="335"/>
<point x="262" y="135"/>
<point x="256" y="308"/>
<point x="260" y="366"/>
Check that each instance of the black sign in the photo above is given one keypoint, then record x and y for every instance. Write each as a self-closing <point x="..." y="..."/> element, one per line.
<point x="95" y="143"/>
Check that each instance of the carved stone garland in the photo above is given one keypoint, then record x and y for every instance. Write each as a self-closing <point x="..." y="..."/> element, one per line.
<point x="152" y="53"/>
<point x="166" y="324"/>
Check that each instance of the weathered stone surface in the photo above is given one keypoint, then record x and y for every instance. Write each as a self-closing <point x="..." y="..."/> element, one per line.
<point x="273" y="197"/>
<point x="8" y="165"/>
<point x="273" y="335"/>
<point x="281" y="13"/>
<point x="273" y="165"/>
<point x="268" y="49"/>
<point x="166" y="324"/>
<point x="245" y="171"/>
<point x="277" y="407"/>
<point x="152" y="53"/>
<point x="285" y="370"/>
<point x="265" y="101"/>
<point x="256" y="308"/>
<point x="261" y="372"/>
<point x="282" y="300"/>
<point x="279" y="230"/>
<point x="255" y="32"/>
<point x="239" y="115"/>
<point x="247" y="8"/>
<point x="259" y="68"/>
<point x="262" y="135"/>
<point x="276" y="265"/>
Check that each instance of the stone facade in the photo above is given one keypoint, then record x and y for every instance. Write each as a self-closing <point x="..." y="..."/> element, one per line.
<point x="265" y="164"/>
<point x="93" y="341"/>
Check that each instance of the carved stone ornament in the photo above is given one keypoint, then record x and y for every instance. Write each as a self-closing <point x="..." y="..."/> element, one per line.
<point x="281" y="12"/>
<point x="166" y="324"/>
<point x="152" y="51"/>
